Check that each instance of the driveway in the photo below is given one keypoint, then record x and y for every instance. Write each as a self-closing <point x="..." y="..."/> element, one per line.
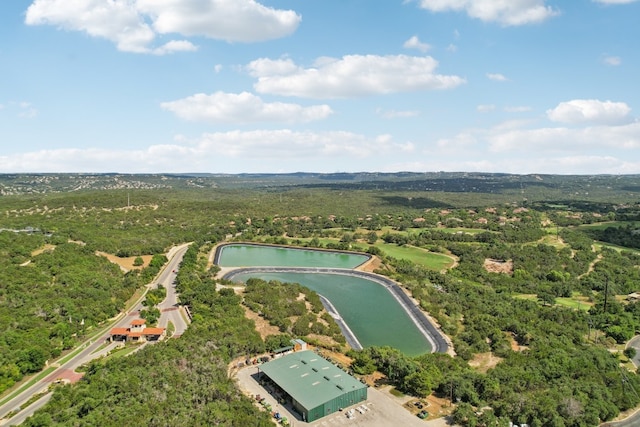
<point x="382" y="408"/>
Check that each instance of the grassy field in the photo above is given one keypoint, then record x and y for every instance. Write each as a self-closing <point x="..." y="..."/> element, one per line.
<point x="419" y="256"/>
<point x="420" y="230"/>
<point x="423" y="257"/>
<point x="600" y="245"/>
<point x="552" y="240"/>
<point x="576" y="302"/>
<point x="607" y="224"/>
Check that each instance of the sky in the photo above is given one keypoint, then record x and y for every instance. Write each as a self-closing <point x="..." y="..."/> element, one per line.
<point x="278" y="86"/>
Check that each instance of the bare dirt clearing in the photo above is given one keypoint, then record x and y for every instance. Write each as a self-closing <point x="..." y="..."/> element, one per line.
<point x="262" y="326"/>
<point x="126" y="264"/>
<point x="498" y="266"/>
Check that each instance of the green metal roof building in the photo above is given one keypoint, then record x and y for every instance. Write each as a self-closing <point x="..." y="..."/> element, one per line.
<point x="315" y="386"/>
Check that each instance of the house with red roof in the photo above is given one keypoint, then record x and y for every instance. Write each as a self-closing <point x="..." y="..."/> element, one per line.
<point x="137" y="332"/>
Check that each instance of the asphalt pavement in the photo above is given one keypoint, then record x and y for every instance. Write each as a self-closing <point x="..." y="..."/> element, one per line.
<point x="91" y="348"/>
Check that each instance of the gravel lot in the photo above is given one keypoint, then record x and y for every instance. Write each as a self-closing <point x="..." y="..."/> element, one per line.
<point x="384" y="408"/>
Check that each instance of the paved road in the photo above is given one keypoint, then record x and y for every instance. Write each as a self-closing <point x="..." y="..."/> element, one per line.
<point x="384" y="409"/>
<point x="169" y="308"/>
<point x="19" y="418"/>
<point x="634" y="419"/>
<point x="89" y="352"/>
<point x="635" y="343"/>
<point x="90" y="347"/>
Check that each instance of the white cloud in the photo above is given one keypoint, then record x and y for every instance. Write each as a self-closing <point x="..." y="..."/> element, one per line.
<point x="625" y="137"/>
<point x="260" y="151"/>
<point x="27" y="111"/>
<point x="117" y="21"/>
<point x="585" y="165"/>
<point x="126" y="22"/>
<point x="496" y="77"/>
<point x="242" y="108"/>
<point x="415" y="43"/>
<point x="505" y="12"/>
<point x="21" y="109"/>
<point x="614" y="61"/>
<point x="590" y="111"/>
<point x="511" y="148"/>
<point x="350" y="76"/>
<point x="266" y="66"/>
<point x="175" y="46"/>
<point x="485" y="108"/>
<point x="288" y="145"/>
<point x="463" y="141"/>
<point x="230" y="20"/>
<point x="393" y="114"/>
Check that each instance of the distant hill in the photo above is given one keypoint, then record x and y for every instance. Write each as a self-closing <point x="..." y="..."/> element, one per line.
<point x="613" y="188"/>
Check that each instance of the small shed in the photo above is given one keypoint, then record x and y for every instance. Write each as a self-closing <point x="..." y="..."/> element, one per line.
<point x="299" y="345"/>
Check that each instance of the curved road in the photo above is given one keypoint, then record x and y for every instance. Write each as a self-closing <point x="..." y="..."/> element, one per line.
<point x="438" y="343"/>
<point x="169" y="312"/>
<point x="634" y="419"/>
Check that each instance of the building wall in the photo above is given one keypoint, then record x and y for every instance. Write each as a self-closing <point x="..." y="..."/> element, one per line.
<point x="334" y="405"/>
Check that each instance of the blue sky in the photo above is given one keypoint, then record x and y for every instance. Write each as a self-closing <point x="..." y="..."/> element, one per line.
<point x="231" y="86"/>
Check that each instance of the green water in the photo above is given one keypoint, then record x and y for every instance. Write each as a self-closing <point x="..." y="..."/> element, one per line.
<point x="272" y="256"/>
<point x="371" y="312"/>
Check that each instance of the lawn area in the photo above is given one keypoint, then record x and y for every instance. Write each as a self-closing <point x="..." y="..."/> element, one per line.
<point x="552" y="240"/>
<point x="600" y="245"/>
<point x="419" y="230"/>
<point x="607" y="224"/>
<point x="121" y="352"/>
<point x="576" y="302"/>
<point x="431" y="260"/>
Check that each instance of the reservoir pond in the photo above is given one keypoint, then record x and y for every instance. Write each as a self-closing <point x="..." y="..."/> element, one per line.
<point x="272" y="256"/>
<point x="372" y="313"/>
<point x="368" y="308"/>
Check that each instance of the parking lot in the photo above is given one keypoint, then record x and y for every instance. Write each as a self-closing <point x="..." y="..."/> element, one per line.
<point x="382" y="409"/>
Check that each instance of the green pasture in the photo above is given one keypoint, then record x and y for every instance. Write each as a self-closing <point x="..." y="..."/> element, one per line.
<point x="551" y="240"/>
<point x="421" y="229"/>
<point x="607" y="224"/>
<point x="431" y="260"/>
<point x="599" y="245"/>
<point x="423" y="257"/>
<point x="576" y="302"/>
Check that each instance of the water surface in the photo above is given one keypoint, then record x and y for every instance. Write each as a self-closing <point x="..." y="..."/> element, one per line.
<point x="372" y="313"/>
<point x="242" y="255"/>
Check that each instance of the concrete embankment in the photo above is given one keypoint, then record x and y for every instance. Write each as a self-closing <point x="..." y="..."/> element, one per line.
<point x="438" y="342"/>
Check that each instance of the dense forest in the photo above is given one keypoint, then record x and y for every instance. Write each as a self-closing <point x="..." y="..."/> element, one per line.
<point x="544" y="285"/>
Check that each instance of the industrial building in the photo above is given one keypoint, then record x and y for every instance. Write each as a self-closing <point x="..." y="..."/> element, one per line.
<point x="313" y="385"/>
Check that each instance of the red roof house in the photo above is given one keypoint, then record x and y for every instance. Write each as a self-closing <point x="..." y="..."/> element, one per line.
<point x="137" y="332"/>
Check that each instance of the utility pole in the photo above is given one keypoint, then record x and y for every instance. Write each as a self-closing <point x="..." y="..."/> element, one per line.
<point x="606" y="293"/>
